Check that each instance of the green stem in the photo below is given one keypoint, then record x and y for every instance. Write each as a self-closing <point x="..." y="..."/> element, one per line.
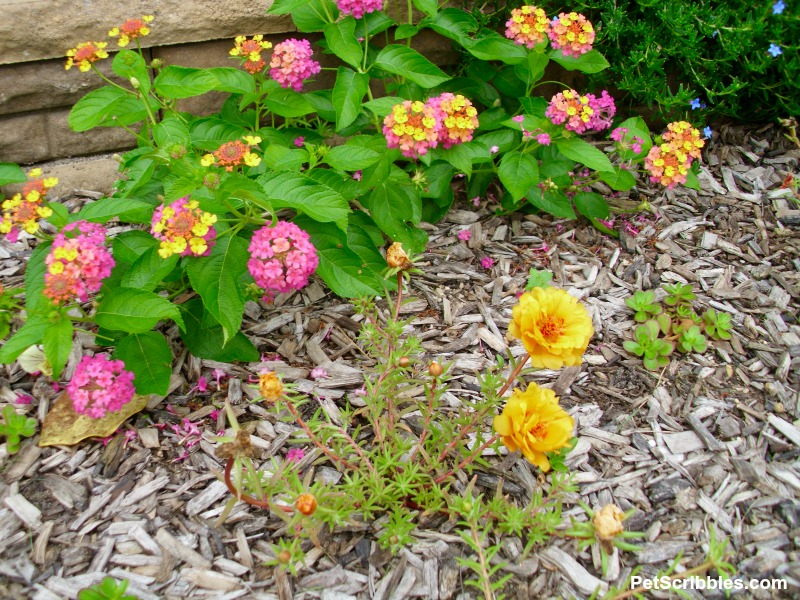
<point x="410" y="20"/>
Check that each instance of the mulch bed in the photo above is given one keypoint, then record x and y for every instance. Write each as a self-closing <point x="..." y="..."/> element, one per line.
<point x="711" y="440"/>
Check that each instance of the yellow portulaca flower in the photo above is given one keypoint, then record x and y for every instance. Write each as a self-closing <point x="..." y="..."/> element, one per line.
<point x="553" y="326"/>
<point x="270" y="387"/>
<point x="533" y="422"/>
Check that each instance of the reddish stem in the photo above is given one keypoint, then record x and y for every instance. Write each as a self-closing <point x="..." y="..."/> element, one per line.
<point x="467" y="460"/>
<point x="513" y="376"/>
<point x="399" y="294"/>
<point x="244" y="497"/>
<point x="315" y="441"/>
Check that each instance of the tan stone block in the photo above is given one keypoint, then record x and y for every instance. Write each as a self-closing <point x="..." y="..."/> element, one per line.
<point x="65" y="143"/>
<point x="39" y="30"/>
<point x="91" y="173"/>
<point x="23" y="138"/>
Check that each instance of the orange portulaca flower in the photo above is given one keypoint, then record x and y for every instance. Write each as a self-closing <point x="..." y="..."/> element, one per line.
<point x="554" y="327"/>
<point x="533" y="422"/>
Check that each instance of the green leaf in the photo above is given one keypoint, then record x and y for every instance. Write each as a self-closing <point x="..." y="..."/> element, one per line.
<point x="135" y="311"/>
<point x="34" y="278"/>
<point x="454" y="23"/>
<point x="11" y="173"/>
<point x="100" y="105"/>
<point x="216" y="279"/>
<point x="492" y="46"/>
<point x="57" y="343"/>
<point x="305" y="195"/>
<point x="149" y="270"/>
<point x="591" y="204"/>
<point x="130" y="245"/>
<point x="555" y="203"/>
<point x="171" y="131"/>
<point x="618" y="179"/>
<point x="408" y="63"/>
<point x="210" y="133"/>
<point x="396" y="209"/>
<point x="231" y="80"/>
<point x="60" y="216"/>
<point x="127" y="209"/>
<point x="348" y="92"/>
<point x="284" y="7"/>
<point x="531" y="71"/>
<point x="591" y="62"/>
<point x="692" y="181"/>
<point x="130" y="65"/>
<point x="312" y="15"/>
<point x="281" y="158"/>
<point x="351" y="158"/>
<point x="373" y="23"/>
<point x="538" y="279"/>
<point x="148" y="356"/>
<point x="383" y="106"/>
<point x="340" y="267"/>
<point x="581" y="151"/>
<point x="204" y="336"/>
<point x="429" y="7"/>
<point x="463" y="156"/>
<point x="519" y="173"/>
<point x="636" y="128"/>
<point x="184" y="82"/>
<point x="288" y="103"/>
<point x="342" y="41"/>
<point x="32" y="332"/>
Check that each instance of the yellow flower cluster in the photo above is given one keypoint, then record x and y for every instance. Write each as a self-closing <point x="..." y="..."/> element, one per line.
<point x="25" y="209"/>
<point x="251" y="50"/>
<point x="234" y="154"/>
<point x="85" y="54"/>
<point x="131" y="29"/>
<point x="183" y="228"/>
<point x="685" y="138"/>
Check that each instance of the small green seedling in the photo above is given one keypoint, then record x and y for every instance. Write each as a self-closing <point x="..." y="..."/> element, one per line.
<point x="692" y="340"/>
<point x="644" y="305"/>
<point x="15" y="427"/>
<point x="646" y="343"/>
<point x="679" y="294"/>
<point x="718" y="324"/>
<point x="538" y="279"/>
<point x="108" y="589"/>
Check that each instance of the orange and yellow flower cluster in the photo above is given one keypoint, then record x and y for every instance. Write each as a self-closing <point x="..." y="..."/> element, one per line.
<point x="183" y="228"/>
<point x="459" y="118"/>
<point x="527" y="26"/>
<point x="412" y="127"/>
<point x="23" y="211"/>
<point x="131" y="30"/>
<point x="571" y="33"/>
<point x="84" y="54"/>
<point x="250" y="51"/>
<point x="234" y="154"/>
<point x="669" y="163"/>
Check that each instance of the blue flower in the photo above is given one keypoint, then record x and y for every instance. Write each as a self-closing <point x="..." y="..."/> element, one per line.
<point x="775" y="50"/>
<point x="695" y="104"/>
<point x="707" y="132"/>
<point x="715" y="34"/>
<point x="778" y="7"/>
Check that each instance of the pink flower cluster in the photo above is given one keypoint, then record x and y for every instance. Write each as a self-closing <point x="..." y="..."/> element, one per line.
<point x="571" y="33"/>
<point x="527" y="26"/>
<point x="581" y="112"/>
<point x="358" y="8"/>
<point x="620" y="136"/>
<point x="281" y="258"/>
<point x="416" y="127"/>
<point x="291" y="64"/>
<point x="100" y="385"/>
<point x="78" y="262"/>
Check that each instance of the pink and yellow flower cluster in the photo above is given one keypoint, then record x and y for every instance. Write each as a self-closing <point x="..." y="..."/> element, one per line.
<point x="183" y="228"/>
<point x="291" y="64"/>
<point x="527" y="26"/>
<point x="84" y="54"/>
<point x="78" y="262"/>
<point x="234" y="154"/>
<point x="571" y="33"/>
<point x="581" y="112"/>
<point x="131" y="30"/>
<point x="100" y="385"/>
<point x="669" y="163"/>
<point x="250" y="51"/>
<point x="23" y="211"/>
<point x="358" y="8"/>
<point x="416" y="127"/>
<point x="282" y="258"/>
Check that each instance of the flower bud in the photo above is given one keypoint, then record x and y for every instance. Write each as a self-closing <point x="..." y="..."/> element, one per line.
<point x="284" y="557"/>
<point x="157" y="63"/>
<point x="608" y="522"/>
<point x="135" y="83"/>
<point x="397" y="258"/>
<point x="435" y="369"/>
<point x="306" y="504"/>
<point x="404" y="361"/>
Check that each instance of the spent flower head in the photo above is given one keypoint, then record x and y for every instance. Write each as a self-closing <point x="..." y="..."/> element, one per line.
<point x="84" y="54"/>
<point x="183" y="228"/>
<point x="571" y="33"/>
<point x="131" y="30"/>
<point x="78" y="262"/>
<point x="413" y="127"/>
<point x="100" y="385"/>
<point x="527" y="26"/>
<point x="249" y="51"/>
<point x="358" y="8"/>
<point x="291" y="64"/>
<point x="282" y="258"/>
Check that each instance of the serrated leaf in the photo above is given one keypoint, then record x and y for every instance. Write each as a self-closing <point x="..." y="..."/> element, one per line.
<point x="397" y="209"/>
<point x="204" y="338"/>
<point x="492" y="46"/>
<point x="288" y="103"/>
<point x="149" y="357"/>
<point x="284" y="7"/>
<point x="130" y="65"/>
<point x="518" y="172"/>
<point x="581" y="151"/>
<point x="171" y="131"/>
<point x="34" y="278"/>
<point x="591" y="204"/>
<point x="11" y="173"/>
<point x="306" y="195"/>
<point x="351" y="158"/>
<point x="618" y="179"/>
<point x="135" y="311"/>
<point x="183" y="82"/>
<point x="692" y="181"/>
<point x="281" y="158"/>
<point x="348" y="92"/>
<point x="216" y="279"/>
<point x="32" y="332"/>
<point x="233" y="81"/>
<point x="105" y="209"/>
<point x="555" y="203"/>
<point x="408" y="63"/>
<point x="531" y="70"/>
<point x="429" y="7"/>
<point x="383" y="106"/>
<point x="149" y="270"/>
<point x="57" y="344"/>
<point x="103" y="103"/>
<point x="454" y="23"/>
<point x="342" y="41"/>
<point x="210" y="133"/>
<point x="591" y="62"/>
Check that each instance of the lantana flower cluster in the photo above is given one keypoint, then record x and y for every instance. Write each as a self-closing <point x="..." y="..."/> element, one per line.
<point x="78" y="262"/>
<point x="183" y="228"/>
<point x="572" y="33"/>
<point x="99" y="386"/>
<point x="581" y="112"/>
<point x="358" y="8"/>
<point x="84" y="54"/>
<point x="528" y="26"/>
<point x="234" y="154"/>
<point x="669" y="163"/>
<point x="250" y="51"/>
<point x="291" y="64"/>
<point x="24" y="210"/>
<point x="131" y="30"/>
<point x="282" y="258"/>
<point x="415" y="127"/>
